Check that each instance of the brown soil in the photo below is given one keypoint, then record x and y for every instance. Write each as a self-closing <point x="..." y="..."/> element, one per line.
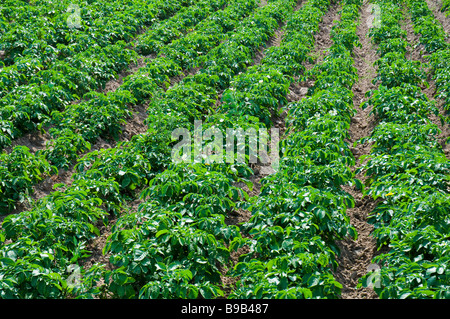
<point x="2" y="58"/>
<point x="356" y="255"/>
<point x="176" y="79"/>
<point x="35" y="141"/>
<point x="96" y="248"/>
<point x="274" y="41"/>
<point x="113" y="84"/>
<point x="262" y="3"/>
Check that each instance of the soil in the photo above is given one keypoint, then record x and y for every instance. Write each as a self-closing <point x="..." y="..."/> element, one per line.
<point x="34" y="141"/>
<point x="356" y="255"/>
<point x="262" y="3"/>
<point x="2" y="57"/>
<point x="176" y="79"/>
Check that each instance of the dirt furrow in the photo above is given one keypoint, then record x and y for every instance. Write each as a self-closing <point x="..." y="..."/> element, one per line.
<point x="356" y="255"/>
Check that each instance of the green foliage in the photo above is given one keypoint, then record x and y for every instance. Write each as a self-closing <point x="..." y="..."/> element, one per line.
<point x="407" y="170"/>
<point x="402" y="103"/>
<point x="299" y="276"/>
<point x="64" y="148"/>
<point x="258" y="92"/>
<point x="393" y="70"/>
<point x="445" y="6"/>
<point x="19" y="171"/>
<point x="392" y="45"/>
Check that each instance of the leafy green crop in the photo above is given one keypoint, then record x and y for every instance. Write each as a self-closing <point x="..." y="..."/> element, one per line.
<point x="393" y="70"/>
<point x="400" y="103"/>
<point x="407" y="170"/>
<point x="19" y="171"/>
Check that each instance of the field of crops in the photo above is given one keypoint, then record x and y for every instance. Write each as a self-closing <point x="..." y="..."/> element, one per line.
<point x="314" y="158"/>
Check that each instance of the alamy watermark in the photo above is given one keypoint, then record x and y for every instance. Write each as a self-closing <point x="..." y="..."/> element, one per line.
<point x="374" y="20"/>
<point x="74" y="278"/>
<point x="374" y="279"/>
<point x="74" y="19"/>
<point x="211" y="146"/>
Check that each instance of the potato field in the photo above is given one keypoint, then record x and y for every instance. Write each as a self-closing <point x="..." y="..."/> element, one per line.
<point x="225" y="149"/>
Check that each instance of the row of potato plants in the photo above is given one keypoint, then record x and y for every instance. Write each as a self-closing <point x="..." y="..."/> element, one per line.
<point x="31" y="91"/>
<point x="301" y="210"/>
<point x="166" y="31"/>
<point x="407" y="170"/>
<point x="10" y="11"/>
<point x="102" y="115"/>
<point x="107" y="177"/>
<point x="433" y="39"/>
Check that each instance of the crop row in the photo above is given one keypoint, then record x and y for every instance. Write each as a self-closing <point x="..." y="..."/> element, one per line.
<point x="301" y="210"/>
<point x="407" y="170"/>
<point x="61" y="224"/>
<point x="102" y="115"/>
<point x="433" y="39"/>
<point x="31" y="91"/>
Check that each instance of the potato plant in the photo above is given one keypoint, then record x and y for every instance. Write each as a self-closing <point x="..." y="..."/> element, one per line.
<point x="408" y="172"/>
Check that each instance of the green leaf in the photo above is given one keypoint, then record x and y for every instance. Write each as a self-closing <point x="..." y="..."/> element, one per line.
<point x="404" y="295"/>
<point x="161" y="232"/>
<point x="126" y="181"/>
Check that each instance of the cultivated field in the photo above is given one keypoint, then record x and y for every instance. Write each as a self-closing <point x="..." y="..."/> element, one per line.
<point x="230" y="149"/>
